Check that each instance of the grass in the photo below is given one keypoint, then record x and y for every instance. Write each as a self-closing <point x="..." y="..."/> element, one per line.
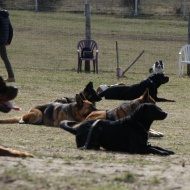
<point x="43" y="55"/>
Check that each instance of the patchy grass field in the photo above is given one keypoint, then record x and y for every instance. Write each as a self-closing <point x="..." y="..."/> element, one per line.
<point x="46" y="70"/>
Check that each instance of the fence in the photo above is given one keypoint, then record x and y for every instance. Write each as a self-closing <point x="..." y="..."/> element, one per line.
<point x="47" y="39"/>
<point x="118" y="7"/>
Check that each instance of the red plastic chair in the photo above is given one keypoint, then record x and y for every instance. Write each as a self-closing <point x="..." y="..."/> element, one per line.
<point x="91" y="45"/>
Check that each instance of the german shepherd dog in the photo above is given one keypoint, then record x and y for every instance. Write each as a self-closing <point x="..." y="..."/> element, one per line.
<point x="51" y="114"/>
<point x="89" y="93"/>
<point x="122" y="92"/>
<point x="124" y="110"/>
<point x="129" y="134"/>
<point x="8" y="93"/>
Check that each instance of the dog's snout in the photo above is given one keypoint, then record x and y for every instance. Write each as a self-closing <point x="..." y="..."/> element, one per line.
<point x="12" y="92"/>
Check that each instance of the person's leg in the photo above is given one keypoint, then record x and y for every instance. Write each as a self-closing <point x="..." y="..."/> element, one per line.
<point x="3" y="53"/>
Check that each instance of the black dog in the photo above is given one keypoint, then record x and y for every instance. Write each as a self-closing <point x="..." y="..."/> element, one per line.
<point x="89" y="93"/>
<point x="122" y="92"/>
<point x="7" y="93"/>
<point x="129" y="134"/>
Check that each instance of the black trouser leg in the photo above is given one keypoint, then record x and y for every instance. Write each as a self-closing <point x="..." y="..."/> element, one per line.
<point x="3" y="53"/>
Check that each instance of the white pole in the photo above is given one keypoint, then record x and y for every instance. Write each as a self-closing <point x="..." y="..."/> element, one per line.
<point x="36" y="5"/>
<point x="136" y="8"/>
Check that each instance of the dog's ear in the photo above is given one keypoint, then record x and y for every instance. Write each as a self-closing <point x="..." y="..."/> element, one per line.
<point x="79" y="101"/>
<point x="90" y="85"/>
<point x="82" y="96"/>
<point x="145" y="94"/>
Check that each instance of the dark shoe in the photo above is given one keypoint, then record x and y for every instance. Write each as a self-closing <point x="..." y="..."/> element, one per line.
<point x="10" y="80"/>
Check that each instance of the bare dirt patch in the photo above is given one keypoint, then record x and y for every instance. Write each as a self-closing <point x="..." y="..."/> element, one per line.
<point x="161" y="172"/>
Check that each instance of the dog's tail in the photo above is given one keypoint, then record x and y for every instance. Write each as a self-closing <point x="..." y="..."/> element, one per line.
<point x="69" y="126"/>
<point x="10" y="120"/>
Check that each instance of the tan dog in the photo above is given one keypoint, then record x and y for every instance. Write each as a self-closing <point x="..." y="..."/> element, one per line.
<point x="8" y="93"/>
<point x="126" y="108"/>
<point x="53" y="113"/>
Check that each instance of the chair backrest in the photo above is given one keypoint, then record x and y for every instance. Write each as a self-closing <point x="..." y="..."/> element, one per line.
<point x="87" y="44"/>
<point x="185" y="52"/>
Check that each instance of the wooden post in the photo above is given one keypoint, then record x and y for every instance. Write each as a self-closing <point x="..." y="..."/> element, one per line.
<point x="188" y="65"/>
<point x="88" y="30"/>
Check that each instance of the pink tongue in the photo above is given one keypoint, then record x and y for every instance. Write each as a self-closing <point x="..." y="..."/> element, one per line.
<point x="10" y="105"/>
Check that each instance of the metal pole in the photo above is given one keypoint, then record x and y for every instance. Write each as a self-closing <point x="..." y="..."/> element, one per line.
<point x="136" y="8"/>
<point x="36" y="5"/>
<point x="188" y="66"/>
<point x="184" y="9"/>
<point x="88" y="26"/>
<point x="88" y="30"/>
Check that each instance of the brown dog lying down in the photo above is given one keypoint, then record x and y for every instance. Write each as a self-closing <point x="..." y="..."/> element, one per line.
<point x="124" y="110"/>
<point x="53" y="113"/>
<point x="8" y="93"/>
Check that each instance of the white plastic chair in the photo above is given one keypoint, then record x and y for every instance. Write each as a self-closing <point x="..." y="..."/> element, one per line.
<point x="184" y="58"/>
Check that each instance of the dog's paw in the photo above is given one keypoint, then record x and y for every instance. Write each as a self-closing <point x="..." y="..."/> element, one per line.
<point x="153" y="133"/>
<point x="21" y="122"/>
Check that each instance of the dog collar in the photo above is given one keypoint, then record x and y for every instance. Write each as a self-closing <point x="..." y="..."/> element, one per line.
<point x="89" y="134"/>
<point x="150" y="80"/>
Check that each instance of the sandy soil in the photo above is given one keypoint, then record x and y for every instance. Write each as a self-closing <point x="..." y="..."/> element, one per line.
<point x="168" y="173"/>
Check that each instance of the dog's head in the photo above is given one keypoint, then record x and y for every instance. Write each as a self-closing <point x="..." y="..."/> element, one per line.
<point x="159" y="64"/>
<point x="7" y="93"/>
<point x="147" y="113"/>
<point x="145" y="98"/>
<point x="158" y="67"/>
<point x="159" y="79"/>
<point x="129" y="107"/>
<point x="90" y="94"/>
<point x="84" y="107"/>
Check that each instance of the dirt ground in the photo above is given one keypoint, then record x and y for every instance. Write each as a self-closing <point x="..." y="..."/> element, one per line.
<point x="168" y="173"/>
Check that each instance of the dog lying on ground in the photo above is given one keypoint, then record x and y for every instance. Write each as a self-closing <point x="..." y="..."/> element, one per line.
<point x="129" y="134"/>
<point x="8" y="93"/>
<point x="51" y="114"/>
<point x="89" y="93"/>
<point x="122" y="92"/>
<point x="158" y="67"/>
<point x="124" y="110"/>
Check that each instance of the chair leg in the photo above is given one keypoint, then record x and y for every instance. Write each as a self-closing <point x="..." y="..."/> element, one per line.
<point x="179" y="69"/>
<point x="78" y="66"/>
<point x="94" y="63"/>
<point x="97" y="66"/>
